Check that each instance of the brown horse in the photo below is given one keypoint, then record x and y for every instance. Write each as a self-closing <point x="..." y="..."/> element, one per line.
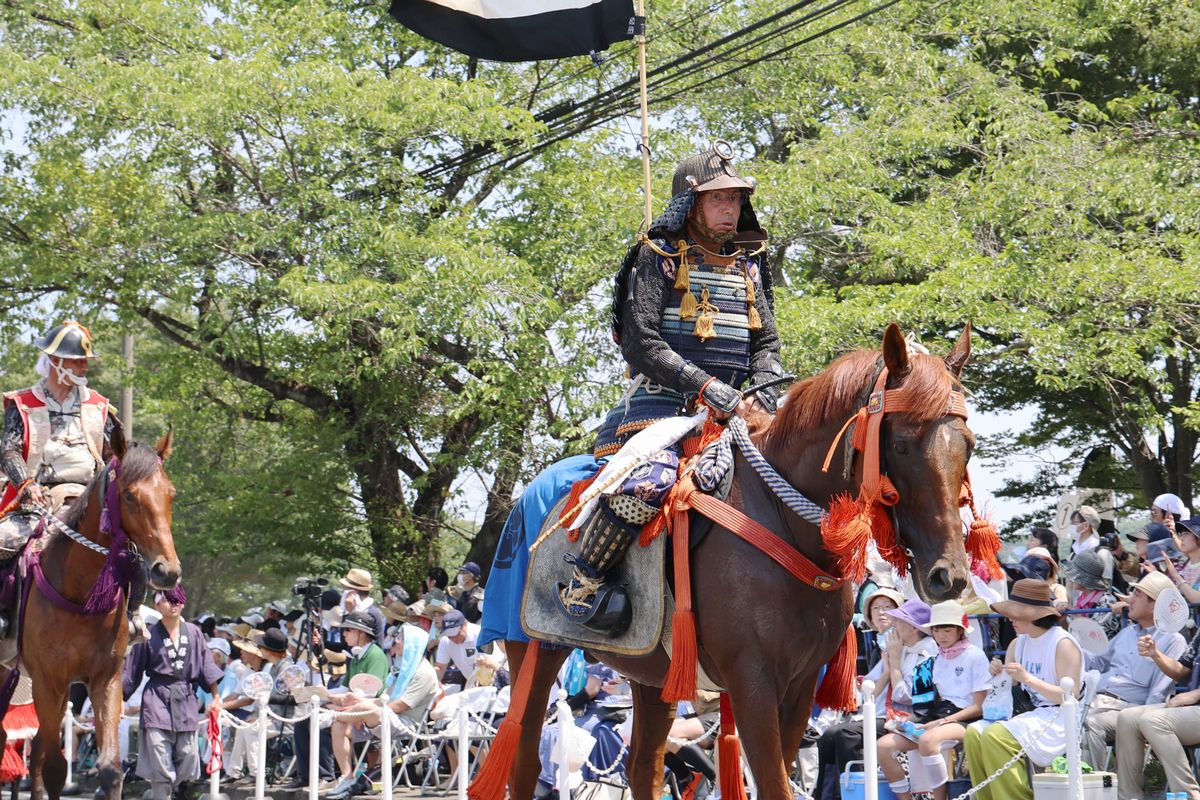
<point x="61" y="646"/>
<point x="764" y="635"/>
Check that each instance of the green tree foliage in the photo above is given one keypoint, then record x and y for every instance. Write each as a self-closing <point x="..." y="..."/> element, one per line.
<point x="364" y="351"/>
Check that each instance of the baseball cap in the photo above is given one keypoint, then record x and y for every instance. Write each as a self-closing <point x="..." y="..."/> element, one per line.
<point x="453" y="622"/>
<point x="472" y="568"/>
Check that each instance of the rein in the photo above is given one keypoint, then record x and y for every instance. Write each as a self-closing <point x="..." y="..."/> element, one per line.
<point x="120" y="560"/>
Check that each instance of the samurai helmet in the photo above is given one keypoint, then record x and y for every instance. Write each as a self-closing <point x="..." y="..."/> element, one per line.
<point x="68" y="340"/>
<point x="710" y="170"/>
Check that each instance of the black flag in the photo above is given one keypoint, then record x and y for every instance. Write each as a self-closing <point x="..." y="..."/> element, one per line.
<point x="519" y="30"/>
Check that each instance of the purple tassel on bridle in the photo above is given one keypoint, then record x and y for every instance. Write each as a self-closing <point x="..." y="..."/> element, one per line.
<point x="120" y="567"/>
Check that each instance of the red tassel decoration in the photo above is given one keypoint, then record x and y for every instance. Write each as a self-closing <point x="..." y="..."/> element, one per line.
<point x="983" y="543"/>
<point x="729" y="753"/>
<point x="654" y="528"/>
<point x="837" y="687"/>
<point x="491" y="782"/>
<point x="845" y="531"/>
<point x="680" y="683"/>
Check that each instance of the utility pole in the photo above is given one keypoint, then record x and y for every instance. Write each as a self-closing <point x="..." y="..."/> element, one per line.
<point x="127" y="385"/>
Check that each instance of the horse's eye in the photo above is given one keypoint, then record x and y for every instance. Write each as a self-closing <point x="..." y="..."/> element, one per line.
<point x="901" y="447"/>
<point x="128" y="496"/>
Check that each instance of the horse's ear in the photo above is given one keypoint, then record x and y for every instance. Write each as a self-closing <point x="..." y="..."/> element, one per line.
<point x="164" y="444"/>
<point x="961" y="353"/>
<point x="895" y="351"/>
<point x="116" y="438"/>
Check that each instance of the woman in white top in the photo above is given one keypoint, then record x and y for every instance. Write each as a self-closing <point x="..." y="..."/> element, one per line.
<point x="945" y="698"/>
<point x="1041" y="655"/>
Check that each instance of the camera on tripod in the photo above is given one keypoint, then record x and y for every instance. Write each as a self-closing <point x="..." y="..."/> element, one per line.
<point x="309" y="588"/>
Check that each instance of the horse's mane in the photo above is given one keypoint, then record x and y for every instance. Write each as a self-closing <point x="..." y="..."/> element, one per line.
<point x="839" y="391"/>
<point x="140" y="462"/>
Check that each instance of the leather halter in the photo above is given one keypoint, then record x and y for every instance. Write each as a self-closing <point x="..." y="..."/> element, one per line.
<point x="868" y="424"/>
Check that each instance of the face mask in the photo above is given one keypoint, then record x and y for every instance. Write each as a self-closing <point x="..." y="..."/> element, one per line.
<point x="358" y="650"/>
<point x="1077" y="530"/>
<point x="65" y="375"/>
<point x="387" y="643"/>
<point x="461" y="580"/>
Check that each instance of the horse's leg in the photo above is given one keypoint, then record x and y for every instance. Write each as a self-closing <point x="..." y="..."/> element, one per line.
<point x="652" y="720"/>
<point x="793" y="720"/>
<point x="48" y="770"/>
<point x="523" y="777"/>
<point x="107" y="704"/>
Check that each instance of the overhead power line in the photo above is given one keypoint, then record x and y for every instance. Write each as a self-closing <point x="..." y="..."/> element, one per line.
<point x="570" y="119"/>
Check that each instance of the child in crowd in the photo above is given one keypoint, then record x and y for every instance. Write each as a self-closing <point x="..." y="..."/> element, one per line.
<point x="948" y="692"/>
<point x="1041" y="655"/>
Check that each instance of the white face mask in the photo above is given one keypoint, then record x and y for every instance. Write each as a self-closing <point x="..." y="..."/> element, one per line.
<point x="358" y="650"/>
<point x="461" y="580"/>
<point x="1077" y="530"/>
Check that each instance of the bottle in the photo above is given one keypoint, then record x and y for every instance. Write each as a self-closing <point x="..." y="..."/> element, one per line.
<point x="997" y="705"/>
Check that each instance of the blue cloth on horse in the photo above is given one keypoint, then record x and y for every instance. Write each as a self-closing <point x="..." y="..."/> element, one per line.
<point x="506" y="582"/>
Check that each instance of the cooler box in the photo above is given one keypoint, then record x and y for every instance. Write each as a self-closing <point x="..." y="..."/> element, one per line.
<point x="854" y="784"/>
<point x="1096" y="786"/>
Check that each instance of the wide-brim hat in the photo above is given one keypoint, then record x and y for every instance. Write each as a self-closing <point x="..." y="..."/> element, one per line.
<point x="1191" y="526"/>
<point x="915" y="612"/>
<point x="1152" y="584"/>
<point x="395" y="611"/>
<point x="1029" y="600"/>
<point x="1087" y="569"/>
<point x="432" y="607"/>
<point x="358" y="579"/>
<point x="249" y="646"/>
<point x="950" y="612"/>
<point x="881" y="593"/>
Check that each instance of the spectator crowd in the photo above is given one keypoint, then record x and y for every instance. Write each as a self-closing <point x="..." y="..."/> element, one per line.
<point x="961" y="686"/>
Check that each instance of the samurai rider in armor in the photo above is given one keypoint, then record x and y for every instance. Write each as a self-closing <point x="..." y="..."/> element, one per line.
<point x="55" y="437"/>
<point x="693" y="312"/>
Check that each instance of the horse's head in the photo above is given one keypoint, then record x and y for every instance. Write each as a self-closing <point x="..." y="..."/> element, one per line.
<point x="145" y="494"/>
<point x="924" y="453"/>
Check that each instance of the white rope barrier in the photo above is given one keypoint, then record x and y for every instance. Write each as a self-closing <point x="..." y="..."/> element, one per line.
<point x="314" y="747"/>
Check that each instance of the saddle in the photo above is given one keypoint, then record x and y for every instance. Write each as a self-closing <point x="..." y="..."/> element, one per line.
<point x="643" y="570"/>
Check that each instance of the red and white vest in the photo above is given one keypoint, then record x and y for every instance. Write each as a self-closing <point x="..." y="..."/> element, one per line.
<point x="31" y="404"/>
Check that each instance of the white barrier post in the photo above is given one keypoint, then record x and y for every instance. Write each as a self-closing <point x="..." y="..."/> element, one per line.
<point x="1070" y="712"/>
<point x="264" y="720"/>
<point x="464" y="749"/>
<point x="870" y="756"/>
<point x="69" y="740"/>
<point x="385" y="747"/>
<point x="214" y="780"/>
<point x="565" y="721"/>
<point x="314" y="747"/>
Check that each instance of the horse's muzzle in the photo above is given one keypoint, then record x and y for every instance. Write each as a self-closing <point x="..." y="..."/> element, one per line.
<point x="162" y="577"/>
<point x="943" y="584"/>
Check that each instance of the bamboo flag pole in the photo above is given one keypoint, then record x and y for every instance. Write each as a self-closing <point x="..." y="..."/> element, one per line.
<point x="640" y="14"/>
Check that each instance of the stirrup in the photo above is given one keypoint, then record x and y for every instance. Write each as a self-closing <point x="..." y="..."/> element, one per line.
<point x="605" y="610"/>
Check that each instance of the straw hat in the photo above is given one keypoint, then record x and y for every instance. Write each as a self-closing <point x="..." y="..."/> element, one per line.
<point x="950" y="612"/>
<point x="248" y="646"/>
<point x="358" y="579"/>
<point x="1029" y="600"/>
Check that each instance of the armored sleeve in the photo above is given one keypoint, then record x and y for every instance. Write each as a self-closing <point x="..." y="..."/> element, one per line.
<point x="12" y="446"/>
<point x="642" y="344"/>
<point x="765" y="363"/>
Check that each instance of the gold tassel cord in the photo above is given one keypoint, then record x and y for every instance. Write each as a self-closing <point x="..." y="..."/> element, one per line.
<point x="753" y="320"/>
<point x="682" y="278"/>
<point x="704" y="322"/>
